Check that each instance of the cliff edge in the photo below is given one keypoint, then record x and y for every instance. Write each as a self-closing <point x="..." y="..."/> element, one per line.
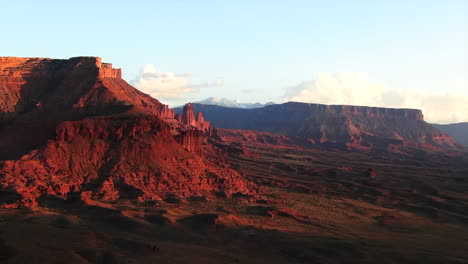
<point x="76" y="128"/>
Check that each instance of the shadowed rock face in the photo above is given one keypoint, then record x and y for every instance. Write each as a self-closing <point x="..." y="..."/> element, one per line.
<point x="76" y="127"/>
<point x="350" y="127"/>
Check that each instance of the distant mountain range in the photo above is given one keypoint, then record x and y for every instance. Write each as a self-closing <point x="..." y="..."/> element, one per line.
<point x="231" y="103"/>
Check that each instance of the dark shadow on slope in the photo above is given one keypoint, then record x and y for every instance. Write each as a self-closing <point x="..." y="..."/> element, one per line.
<point x="9" y="196"/>
<point x="49" y="98"/>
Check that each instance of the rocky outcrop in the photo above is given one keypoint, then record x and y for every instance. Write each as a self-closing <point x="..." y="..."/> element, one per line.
<point x="193" y="138"/>
<point x="38" y="94"/>
<point x="116" y="158"/>
<point x="202" y="124"/>
<point x="75" y="87"/>
<point x="336" y="126"/>
<point x="187" y="117"/>
<point x="75" y="128"/>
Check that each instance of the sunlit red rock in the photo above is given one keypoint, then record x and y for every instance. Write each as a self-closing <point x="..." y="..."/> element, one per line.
<point x="76" y="127"/>
<point x="188" y="118"/>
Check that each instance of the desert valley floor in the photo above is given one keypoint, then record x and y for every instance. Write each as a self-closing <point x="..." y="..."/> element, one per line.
<point x="312" y="206"/>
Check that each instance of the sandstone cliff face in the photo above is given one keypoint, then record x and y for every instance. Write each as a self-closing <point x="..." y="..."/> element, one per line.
<point x="82" y="86"/>
<point x="350" y="127"/>
<point x="38" y="94"/>
<point x="74" y="127"/>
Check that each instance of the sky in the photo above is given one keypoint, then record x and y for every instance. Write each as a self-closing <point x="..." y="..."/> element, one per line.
<point x="405" y="54"/>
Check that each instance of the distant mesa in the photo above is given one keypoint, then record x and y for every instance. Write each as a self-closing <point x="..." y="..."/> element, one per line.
<point x="335" y="126"/>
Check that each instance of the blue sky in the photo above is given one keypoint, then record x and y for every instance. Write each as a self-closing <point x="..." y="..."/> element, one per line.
<point x="262" y="50"/>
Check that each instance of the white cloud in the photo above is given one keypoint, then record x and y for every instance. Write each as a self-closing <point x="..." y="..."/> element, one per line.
<point x="167" y="86"/>
<point x="357" y="89"/>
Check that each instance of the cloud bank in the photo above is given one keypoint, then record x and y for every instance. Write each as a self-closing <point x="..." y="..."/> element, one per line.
<point x="169" y="87"/>
<point x="357" y="89"/>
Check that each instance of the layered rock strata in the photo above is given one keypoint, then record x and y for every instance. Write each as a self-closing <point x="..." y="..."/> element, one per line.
<point x="336" y="126"/>
<point x="76" y="128"/>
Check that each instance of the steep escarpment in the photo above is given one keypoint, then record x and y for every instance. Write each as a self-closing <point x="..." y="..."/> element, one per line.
<point x="352" y="127"/>
<point x="81" y="86"/>
<point x="38" y="94"/>
<point x="76" y="128"/>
